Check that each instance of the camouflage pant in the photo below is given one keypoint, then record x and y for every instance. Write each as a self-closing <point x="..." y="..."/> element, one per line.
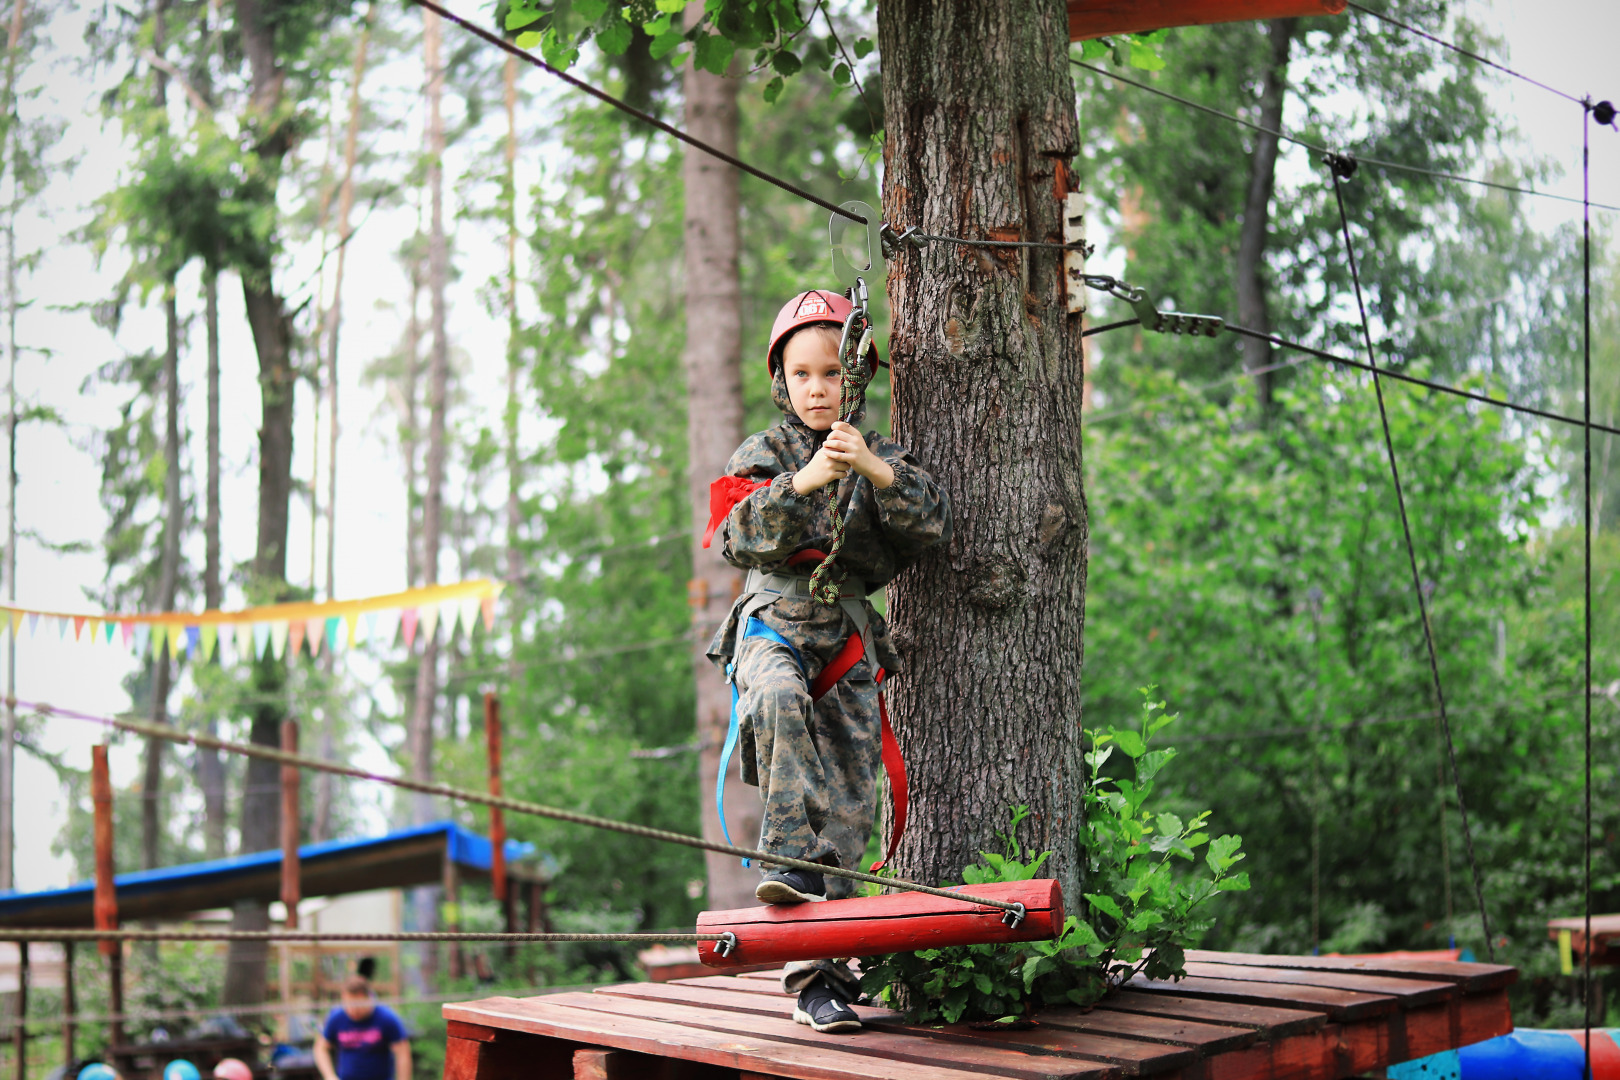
<point x="815" y="763"/>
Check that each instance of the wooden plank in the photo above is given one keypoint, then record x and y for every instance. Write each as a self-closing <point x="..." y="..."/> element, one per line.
<point x="827" y="1060"/>
<point x="1309" y="1056"/>
<point x="1204" y="1038"/>
<point x="1267" y="1020"/>
<point x="1483" y="1016"/>
<point x="873" y="1042"/>
<point x="732" y="982"/>
<point x="1473" y="978"/>
<point x="509" y="1056"/>
<point x="865" y="925"/>
<point x="594" y="1063"/>
<point x="1098" y="18"/>
<point x="1338" y="1004"/>
<point x="1410" y="992"/>
<point x="458" y="1029"/>
<point x="1136" y="1056"/>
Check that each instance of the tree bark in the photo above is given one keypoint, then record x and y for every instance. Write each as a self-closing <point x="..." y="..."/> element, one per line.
<point x="8" y="727"/>
<point x="272" y="339"/>
<point x="210" y="767"/>
<point x="514" y="405"/>
<point x="714" y="428"/>
<point x="169" y="559"/>
<point x="421" y="731"/>
<point x="987" y="393"/>
<point x="325" y="783"/>
<point x="410" y="433"/>
<point x="1253" y="310"/>
<point x="168" y="584"/>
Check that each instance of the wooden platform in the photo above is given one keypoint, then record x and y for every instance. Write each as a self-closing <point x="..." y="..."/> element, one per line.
<point x="1605" y="937"/>
<point x="1235" y="1017"/>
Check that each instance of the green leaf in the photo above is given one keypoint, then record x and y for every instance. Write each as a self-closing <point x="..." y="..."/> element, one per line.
<point x="614" y="38"/>
<point x="557" y="50"/>
<point x="590" y="10"/>
<point x="714" y="53"/>
<point x="1130" y="742"/>
<point x="786" y="63"/>
<point x="1142" y="920"/>
<point x="1106" y="904"/>
<point x="863" y="48"/>
<point x="1145" y="57"/>
<point x="658" y="26"/>
<point x="528" y="39"/>
<point x="841" y="74"/>
<point x="1093" y="49"/>
<point x="1238" y="882"/>
<point x="670" y="7"/>
<point x="664" y="43"/>
<point x="518" y="16"/>
<point x="1223" y="852"/>
<point x="1168" y="824"/>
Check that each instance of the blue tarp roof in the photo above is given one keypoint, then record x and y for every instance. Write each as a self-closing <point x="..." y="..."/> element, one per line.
<point x="413" y="856"/>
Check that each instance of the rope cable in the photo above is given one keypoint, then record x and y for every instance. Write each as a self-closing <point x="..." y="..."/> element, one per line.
<point x="1379" y="162"/>
<point x="629" y="109"/>
<point x="1586" y="570"/>
<point x="519" y="806"/>
<point x="1415" y="380"/>
<point x="1459" y="50"/>
<point x="1411" y="555"/>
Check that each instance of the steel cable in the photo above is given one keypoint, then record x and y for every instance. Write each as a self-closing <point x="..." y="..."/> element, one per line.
<point x="1586" y="571"/>
<point x="1416" y="170"/>
<point x="1459" y="50"/>
<point x="1411" y="555"/>
<point x="519" y="806"/>
<point x="276" y="936"/>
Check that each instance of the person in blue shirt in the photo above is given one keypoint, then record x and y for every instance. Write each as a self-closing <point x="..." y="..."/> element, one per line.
<point x="370" y="1039"/>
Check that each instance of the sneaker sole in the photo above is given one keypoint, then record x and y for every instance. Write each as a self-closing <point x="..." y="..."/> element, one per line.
<point x="779" y="892"/>
<point x="835" y="1028"/>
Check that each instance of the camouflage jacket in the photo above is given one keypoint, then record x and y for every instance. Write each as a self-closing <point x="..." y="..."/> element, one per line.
<point x="885" y="531"/>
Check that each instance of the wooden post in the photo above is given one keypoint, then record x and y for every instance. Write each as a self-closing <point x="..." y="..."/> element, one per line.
<point x="452" y="910"/>
<point x="70" y="1006"/>
<point x="106" y="902"/>
<point x="497" y="819"/>
<point x="290" y="883"/>
<point x="19" y="1034"/>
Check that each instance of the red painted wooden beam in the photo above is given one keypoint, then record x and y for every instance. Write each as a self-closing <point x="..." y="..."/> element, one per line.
<point x="868" y="925"/>
<point x="1098" y="18"/>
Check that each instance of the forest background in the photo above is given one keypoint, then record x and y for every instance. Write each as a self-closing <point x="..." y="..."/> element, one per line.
<point x="1245" y="557"/>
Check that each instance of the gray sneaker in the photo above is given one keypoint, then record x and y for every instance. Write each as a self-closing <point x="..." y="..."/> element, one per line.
<point x="791" y="887"/>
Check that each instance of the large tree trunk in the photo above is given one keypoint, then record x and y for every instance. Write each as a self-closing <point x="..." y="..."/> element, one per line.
<point x="714" y="418"/>
<point x="169" y="559"/>
<point x="421" y="732"/>
<point x="272" y="340"/>
<point x="1253" y="311"/>
<point x="419" y="737"/>
<point x="987" y="393"/>
<point x="8" y="730"/>
<point x="168" y="584"/>
<point x="514" y="404"/>
<point x="210" y="767"/>
<point x="325" y="783"/>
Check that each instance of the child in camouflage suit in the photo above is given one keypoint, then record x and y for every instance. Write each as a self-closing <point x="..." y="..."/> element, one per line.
<point x="815" y="762"/>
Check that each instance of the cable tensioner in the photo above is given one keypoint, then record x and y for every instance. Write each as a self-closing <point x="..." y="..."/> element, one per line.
<point x="1151" y="318"/>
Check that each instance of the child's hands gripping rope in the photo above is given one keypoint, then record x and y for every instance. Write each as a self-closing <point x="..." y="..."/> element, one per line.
<point x="825" y="468"/>
<point x="845" y="445"/>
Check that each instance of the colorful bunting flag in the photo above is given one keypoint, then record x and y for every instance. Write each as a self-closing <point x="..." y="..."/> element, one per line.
<point x="256" y="632"/>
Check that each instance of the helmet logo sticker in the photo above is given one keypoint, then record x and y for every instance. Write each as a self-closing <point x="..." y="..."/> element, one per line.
<point x="813" y="305"/>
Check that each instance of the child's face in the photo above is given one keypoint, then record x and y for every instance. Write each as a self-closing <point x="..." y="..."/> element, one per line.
<point x="810" y="363"/>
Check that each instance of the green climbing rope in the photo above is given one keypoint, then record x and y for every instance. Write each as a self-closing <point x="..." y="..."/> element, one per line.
<point x="856" y="371"/>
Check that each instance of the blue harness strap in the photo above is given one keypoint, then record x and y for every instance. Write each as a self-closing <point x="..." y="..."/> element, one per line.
<point x="752" y="629"/>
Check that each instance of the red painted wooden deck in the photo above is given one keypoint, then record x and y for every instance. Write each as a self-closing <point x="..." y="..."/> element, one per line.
<point x="1235" y="1017"/>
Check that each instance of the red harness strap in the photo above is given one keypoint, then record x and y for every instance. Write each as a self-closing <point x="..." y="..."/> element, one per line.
<point x="893" y="762"/>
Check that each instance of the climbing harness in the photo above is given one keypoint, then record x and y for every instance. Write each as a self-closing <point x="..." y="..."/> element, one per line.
<point x="761" y="590"/>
